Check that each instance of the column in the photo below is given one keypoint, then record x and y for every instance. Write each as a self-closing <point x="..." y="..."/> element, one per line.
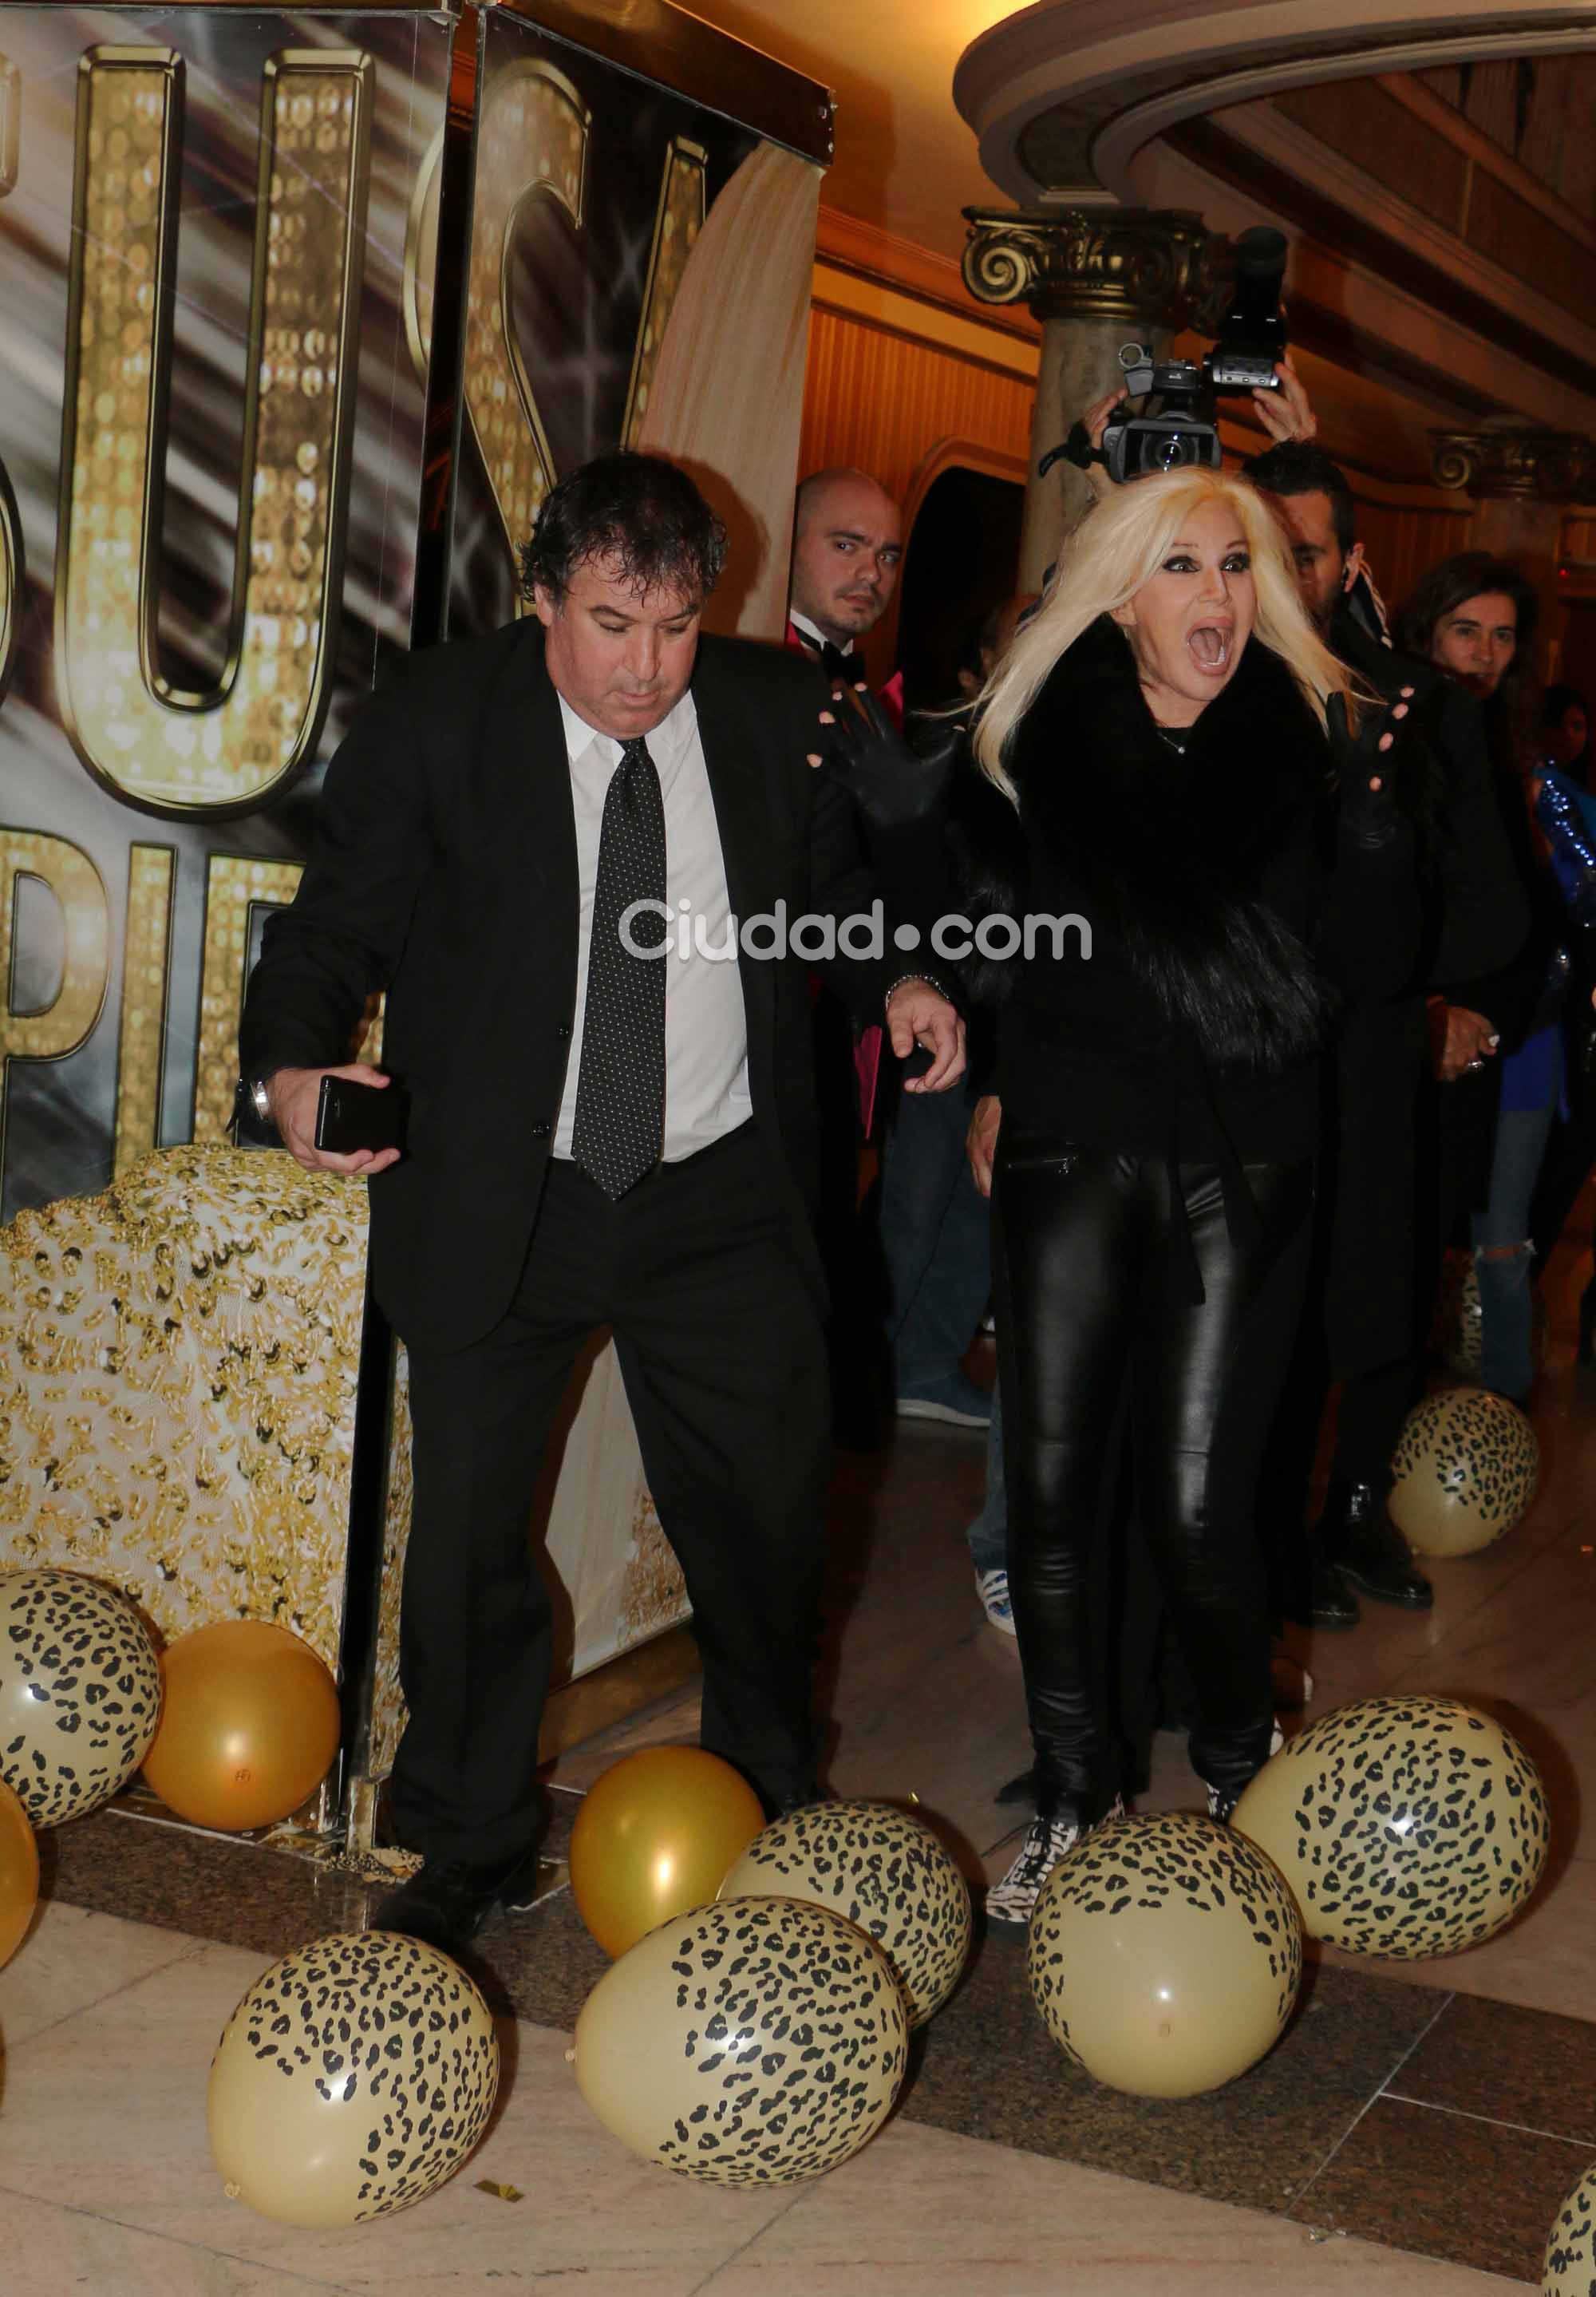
<point x="1096" y="279"/>
<point x="1520" y="476"/>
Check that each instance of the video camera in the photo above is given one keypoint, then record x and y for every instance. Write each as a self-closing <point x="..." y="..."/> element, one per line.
<point x="1177" y="426"/>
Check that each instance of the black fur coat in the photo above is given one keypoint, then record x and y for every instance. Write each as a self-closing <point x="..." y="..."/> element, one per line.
<point x="1201" y="866"/>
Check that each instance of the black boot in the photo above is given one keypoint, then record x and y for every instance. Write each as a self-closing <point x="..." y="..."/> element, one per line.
<point x="1331" y="1602"/>
<point x="1358" y="1537"/>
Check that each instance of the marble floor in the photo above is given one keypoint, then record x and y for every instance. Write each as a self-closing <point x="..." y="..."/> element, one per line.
<point x="1412" y="2133"/>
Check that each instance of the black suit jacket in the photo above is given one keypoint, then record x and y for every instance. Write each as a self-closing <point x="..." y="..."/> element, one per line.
<point x="1474" y="918"/>
<point x="445" y="873"/>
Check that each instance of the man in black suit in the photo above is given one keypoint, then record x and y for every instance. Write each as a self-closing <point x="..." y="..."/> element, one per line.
<point x="518" y="842"/>
<point x="1373" y="1262"/>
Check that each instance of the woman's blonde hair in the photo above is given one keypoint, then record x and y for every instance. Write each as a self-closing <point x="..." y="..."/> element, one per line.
<point x="1118" y="546"/>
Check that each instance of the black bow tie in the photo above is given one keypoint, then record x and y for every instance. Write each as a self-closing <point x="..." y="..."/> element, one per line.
<point x="835" y="664"/>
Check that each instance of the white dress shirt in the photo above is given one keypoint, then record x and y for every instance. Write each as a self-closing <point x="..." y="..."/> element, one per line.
<point x="706" y="1028"/>
<point x="817" y="637"/>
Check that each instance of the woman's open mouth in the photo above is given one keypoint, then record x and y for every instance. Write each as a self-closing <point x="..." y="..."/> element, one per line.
<point x="1210" y="646"/>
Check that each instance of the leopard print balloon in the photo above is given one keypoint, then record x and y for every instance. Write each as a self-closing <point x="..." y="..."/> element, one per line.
<point x="886" y="1872"/>
<point x="1570" y="2269"/>
<point x="753" y="2042"/>
<point x="1465" y="1466"/>
<point x="1405" y="1827"/>
<point x="79" y="1692"/>
<point x="1164" y="1955"/>
<point x="355" y="2076"/>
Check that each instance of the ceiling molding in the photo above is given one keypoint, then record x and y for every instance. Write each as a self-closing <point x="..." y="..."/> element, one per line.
<point x="846" y="245"/>
<point x="1063" y="94"/>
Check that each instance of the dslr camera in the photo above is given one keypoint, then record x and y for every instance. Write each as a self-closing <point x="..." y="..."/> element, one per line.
<point x="1174" y="424"/>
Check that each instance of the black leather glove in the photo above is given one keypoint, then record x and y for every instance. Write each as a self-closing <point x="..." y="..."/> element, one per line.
<point x="863" y="750"/>
<point x="1370" y="818"/>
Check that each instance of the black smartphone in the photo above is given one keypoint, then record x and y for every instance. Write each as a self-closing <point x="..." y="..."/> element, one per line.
<point x="350" y="1116"/>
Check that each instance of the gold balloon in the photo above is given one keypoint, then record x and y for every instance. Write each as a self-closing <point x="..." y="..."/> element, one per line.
<point x="885" y="1870"/>
<point x="250" y="1727"/>
<point x="1465" y="1467"/>
<point x="1570" y="2268"/>
<point x="1406" y="1827"/>
<point x="355" y="2076"/>
<point x="19" y="1874"/>
<point x="654" y="1837"/>
<point x="1164" y="1955"/>
<point x="79" y="1691"/>
<point x="752" y="2043"/>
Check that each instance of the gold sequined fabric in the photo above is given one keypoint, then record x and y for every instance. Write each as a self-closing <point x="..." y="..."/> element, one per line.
<point x="177" y="1367"/>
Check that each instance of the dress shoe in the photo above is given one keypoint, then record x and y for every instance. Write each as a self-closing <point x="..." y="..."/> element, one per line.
<point x="1331" y="1602"/>
<point x="447" y="1902"/>
<point x="1359" y="1539"/>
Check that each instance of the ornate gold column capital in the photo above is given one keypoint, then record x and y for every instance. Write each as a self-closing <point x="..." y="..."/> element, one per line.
<point x="1149" y="266"/>
<point x="1548" y="466"/>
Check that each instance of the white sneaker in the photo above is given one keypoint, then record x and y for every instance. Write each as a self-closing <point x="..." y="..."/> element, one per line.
<point x="992" y="1587"/>
<point x="1221" y="1806"/>
<point x="1010" y="1903"/>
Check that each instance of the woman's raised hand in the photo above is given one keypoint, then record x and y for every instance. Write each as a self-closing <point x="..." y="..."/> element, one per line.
<point x="861" y="748"/>
<point x="1367" y="812"/>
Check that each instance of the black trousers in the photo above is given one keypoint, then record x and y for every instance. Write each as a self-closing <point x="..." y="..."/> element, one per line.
<point x="1097" y="1338"/>
<point x="720" y="1351"/>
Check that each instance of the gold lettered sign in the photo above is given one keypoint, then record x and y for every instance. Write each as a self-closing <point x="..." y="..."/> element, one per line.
<point x="534" y="143"/>
<point x="225" y="752"/>
<point x="54" y="1030"/>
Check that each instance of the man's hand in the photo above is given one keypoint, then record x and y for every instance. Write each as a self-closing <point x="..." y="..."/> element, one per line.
<point x="1286" y="413"/>
<point x="1095" y="422"/>
<point x="981" y="1142"/>
<point x="917" y="1014"/>
<point x="1461" y="1042"/>
<point x="293" y="1095"/>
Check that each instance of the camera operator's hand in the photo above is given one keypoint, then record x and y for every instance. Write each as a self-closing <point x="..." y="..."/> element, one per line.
<point x="1095" y="422"/>
<point x="1368" y="816"/>
<point x="862" y="749"/>
<point x="1287" y="414"/>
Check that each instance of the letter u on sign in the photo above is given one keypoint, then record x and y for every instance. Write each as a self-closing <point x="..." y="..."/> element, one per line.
<point x="225" y="752"/>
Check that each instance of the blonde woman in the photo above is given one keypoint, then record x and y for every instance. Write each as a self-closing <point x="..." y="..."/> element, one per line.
<point x="1167" y="754"/>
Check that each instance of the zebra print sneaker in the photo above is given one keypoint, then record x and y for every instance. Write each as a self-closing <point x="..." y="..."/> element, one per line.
<point x="1009" y="1904"/>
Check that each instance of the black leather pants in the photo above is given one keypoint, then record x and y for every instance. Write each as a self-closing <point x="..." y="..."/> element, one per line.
<point x="1097" y="1339"/>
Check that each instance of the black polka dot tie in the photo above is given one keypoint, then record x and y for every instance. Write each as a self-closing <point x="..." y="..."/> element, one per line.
<point x="620" y="1088"/>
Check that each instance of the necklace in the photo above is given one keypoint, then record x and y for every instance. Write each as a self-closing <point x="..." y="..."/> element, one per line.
<point x="1174" y="740"/>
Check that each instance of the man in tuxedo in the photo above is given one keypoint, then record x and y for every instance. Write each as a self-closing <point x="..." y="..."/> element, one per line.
<point x="518" y="842"/>
<point x="847" y="548"/>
